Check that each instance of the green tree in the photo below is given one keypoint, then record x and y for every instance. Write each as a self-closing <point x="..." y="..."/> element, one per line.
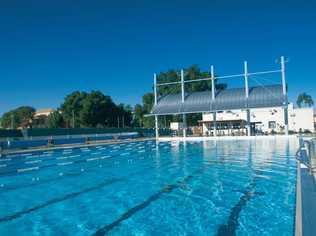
<point x="124" y="115"/>
<point x="20" y="117"/>
<point x="97" y="109"/>
<point x="138" y="116"/>
<point x="55" y="120"/>
<point x="304" y="99"/>
<point x="72" y="106"/>
<point x="148" y="102"/>
<point x="191" y="73"/>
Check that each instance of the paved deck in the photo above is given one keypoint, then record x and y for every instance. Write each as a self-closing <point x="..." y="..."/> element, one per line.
<point x="305" y="203"/>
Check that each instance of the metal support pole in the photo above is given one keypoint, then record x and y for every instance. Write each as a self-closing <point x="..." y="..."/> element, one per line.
<point x="248" y="123"/>
<point x="155" y="88"/>
<point x="246" y="79"/>
<point x="156" y="127"/>
<point x="247" y="95"/>
<point x="182" y="85"/>
<point x="12" y="121"/>
<point x="73" y="119"/>
<point x="213" y="83"/>
<point x="214" y="124"/>
<point x="156" y="117"/>
<point x="213" y="99"/>
<point x="184" y="121"/>
<point x="285" y="107"/>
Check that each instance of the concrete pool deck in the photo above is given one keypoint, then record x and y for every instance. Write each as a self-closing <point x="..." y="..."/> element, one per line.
<point x="305" y="199"/>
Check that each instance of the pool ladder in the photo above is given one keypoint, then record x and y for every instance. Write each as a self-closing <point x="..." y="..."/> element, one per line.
<point x="306" y="154"/>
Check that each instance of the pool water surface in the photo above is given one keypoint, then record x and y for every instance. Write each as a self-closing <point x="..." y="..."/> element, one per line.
<point x="223" y="187"/>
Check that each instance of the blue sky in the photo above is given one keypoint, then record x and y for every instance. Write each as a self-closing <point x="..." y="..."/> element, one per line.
<point x="51" y="48"/>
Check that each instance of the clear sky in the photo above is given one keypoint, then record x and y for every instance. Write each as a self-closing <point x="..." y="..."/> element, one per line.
<point x="51" y="48"/>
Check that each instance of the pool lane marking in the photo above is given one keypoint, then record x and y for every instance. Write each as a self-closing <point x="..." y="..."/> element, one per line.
<point x="96" y="153"/>
<point x="85" y="149"/>
<point x="31" y="157"/>
<point x="27" y="169"/>
<point x="72" y="174"/>
<point x="56" y="200"/>
<point x="33" y="162"/>
<point x="56" y="164"/>
<point x="130" y="212"/>
<point x="44" y="160"/>
<point x="26" y="154"/>
<point x="229" y="229"/>
<point x="124" y="153"/>
<point x="65" y="163"/>
<point x="93" y="159"/>
<point x="66" y="157"/>
<point x="63" y="158"/>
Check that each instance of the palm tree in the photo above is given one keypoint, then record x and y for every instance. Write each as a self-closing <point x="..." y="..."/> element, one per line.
<point x="304" y="99"/>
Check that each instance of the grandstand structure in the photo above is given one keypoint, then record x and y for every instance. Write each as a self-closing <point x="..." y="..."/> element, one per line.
<point x="245" y="98"/>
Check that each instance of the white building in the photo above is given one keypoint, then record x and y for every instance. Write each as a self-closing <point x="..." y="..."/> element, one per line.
<point x="44" y="112"/>
<point x="176" y="126"/>
<point x="263" y="120"/>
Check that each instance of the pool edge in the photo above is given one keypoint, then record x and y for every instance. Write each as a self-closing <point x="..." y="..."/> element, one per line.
<point x="305" y="202"/>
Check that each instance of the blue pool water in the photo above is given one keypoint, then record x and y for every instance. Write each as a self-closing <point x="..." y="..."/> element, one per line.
<point x="147" y="188"/>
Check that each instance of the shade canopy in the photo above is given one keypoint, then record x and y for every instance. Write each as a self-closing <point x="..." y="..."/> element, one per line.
<point x="228" y="99"/>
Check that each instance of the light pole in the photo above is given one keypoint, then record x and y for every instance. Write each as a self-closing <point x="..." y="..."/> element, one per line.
<point x="73" y="119"/>
<point x="12" y="121"/>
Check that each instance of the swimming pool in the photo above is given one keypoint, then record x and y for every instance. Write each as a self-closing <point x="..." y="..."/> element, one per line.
<point x="242" y="187"/>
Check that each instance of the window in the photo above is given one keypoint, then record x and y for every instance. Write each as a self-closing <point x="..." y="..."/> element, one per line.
<point x="272" y="125"/>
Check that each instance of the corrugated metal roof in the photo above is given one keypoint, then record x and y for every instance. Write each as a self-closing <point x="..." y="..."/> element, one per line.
<point x="228" y="99"/>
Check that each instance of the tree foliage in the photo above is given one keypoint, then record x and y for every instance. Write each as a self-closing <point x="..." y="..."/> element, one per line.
<point x="97" y="109"/>
<point x="94" y="109"/>
<point x="20" y="117"/>
<point x="124" y="114"/>
<point x="55" y="120"/>
<point x="191" y="73"/>
<point x="139" y="113"/>
<point x="72" y="106"/>
<point x="304" y="99"/>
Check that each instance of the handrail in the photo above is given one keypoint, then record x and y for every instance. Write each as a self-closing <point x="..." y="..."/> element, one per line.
<point x="305" y="154"/>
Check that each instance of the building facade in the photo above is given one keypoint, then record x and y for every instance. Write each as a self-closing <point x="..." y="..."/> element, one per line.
<point x="263" y="121"/>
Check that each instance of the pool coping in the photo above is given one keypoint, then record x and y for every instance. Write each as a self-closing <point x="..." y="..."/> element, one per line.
<point x="66" y="146"/>
<point x="305" y="202"/>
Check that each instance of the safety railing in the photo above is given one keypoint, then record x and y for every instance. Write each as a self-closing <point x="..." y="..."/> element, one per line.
<point x="306" y="153"/>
